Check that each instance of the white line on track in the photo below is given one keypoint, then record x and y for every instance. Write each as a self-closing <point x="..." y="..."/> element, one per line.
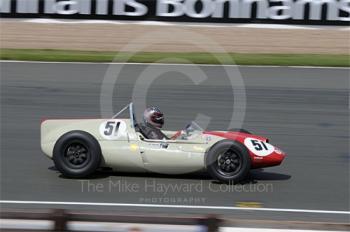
<point x="183" y="24"/>
<point x="168" y="64"/>
<point x="175" y="206"/>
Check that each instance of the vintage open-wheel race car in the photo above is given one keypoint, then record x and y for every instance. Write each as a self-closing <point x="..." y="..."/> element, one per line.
<point x="79" y="147"/>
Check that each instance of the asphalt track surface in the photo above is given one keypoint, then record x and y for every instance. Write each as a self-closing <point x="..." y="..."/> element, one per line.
<point x="304" y="111"/>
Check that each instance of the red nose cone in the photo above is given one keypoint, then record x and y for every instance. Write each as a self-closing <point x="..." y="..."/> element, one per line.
<point x="274" y="159"/>
<point x="279" y="158"/>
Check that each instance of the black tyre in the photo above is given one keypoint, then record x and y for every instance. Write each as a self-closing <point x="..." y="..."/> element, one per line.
<point x="77" y="154"/>
<point x="239" y="130"/>
<point x="228" y="161"/>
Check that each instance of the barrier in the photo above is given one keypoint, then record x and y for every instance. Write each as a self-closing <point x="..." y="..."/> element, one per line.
<point x="61" y="218"/>
<point x="313" y="12"/>
<point x="211" y="223"/>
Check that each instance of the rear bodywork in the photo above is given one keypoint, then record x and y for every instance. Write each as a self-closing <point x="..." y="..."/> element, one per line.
<point x="126" y="150"/>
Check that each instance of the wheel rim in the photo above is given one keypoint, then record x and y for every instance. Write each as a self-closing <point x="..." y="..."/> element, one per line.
<point x="76" y="155"/>
<point x="229" y="163"/>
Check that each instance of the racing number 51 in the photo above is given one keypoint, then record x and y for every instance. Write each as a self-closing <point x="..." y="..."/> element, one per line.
<point x="110" y="127"/>
<point x="259" y="145"/>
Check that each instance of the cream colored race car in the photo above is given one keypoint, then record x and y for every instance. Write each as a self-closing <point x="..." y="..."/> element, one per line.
<point x="78" y="147"/>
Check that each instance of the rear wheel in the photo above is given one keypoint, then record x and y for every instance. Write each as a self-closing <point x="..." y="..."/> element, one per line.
<point x="228" y="161"/>
<point x="77" y="154"/>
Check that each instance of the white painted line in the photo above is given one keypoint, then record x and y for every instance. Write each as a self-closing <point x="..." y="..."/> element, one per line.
<point x="185" y="24"/>
<point x="169" y="64"/>
<point x="280" y="26"/>
<point x="175" y="206"/>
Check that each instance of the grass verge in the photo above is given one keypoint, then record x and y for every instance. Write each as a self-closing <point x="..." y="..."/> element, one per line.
<point x="173" y="57"/>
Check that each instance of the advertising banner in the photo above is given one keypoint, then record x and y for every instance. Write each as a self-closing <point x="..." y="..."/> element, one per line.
<point x="313" y="12"/>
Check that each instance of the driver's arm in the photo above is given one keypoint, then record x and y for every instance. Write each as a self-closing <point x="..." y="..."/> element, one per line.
<point x="176" y="135"/>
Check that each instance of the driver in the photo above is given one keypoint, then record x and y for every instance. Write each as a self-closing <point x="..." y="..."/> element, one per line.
<point x="153" y="120"/>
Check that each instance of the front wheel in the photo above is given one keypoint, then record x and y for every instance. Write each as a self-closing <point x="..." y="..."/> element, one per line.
<point x="228" y="161"/>
<point x="77" y="154"/>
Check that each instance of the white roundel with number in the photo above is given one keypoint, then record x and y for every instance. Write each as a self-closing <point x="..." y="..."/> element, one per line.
<point x="258" y="147"/>
<point x="113" y="129"/>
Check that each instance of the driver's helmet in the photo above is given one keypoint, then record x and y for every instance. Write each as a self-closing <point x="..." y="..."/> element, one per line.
<point x="153" y="116"/>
